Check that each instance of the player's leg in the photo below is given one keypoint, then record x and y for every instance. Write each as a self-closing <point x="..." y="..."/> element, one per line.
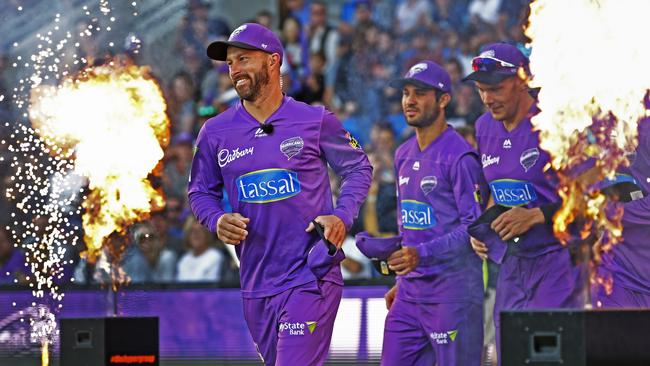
<point x="262" y="323"/>
<point x="550" y="281"/>
<point x="306" y="322"/>
<point x="456" y="333"/>
<point x="510" y="293"/>
<point x="405" y="341"/>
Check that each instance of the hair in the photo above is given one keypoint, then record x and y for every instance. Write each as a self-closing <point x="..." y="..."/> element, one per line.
<point x="385" y="126"/>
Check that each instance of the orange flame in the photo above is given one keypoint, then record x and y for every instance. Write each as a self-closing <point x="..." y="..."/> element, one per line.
<point x="593" y="80"/>
<point x="111" y="121"/>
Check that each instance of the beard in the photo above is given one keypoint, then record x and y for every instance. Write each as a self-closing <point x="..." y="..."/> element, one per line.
<point x="424" y="119"/>
<point x="252" y="91"/>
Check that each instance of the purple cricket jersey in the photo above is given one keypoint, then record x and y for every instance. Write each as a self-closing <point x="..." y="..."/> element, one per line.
<point x="279" y="180"/>
<point x="629" y="259"/>
<point x="513" y="164"/>
<point x="440" y="192"/>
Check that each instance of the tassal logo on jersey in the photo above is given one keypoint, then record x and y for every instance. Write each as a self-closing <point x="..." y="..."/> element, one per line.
<point x="268" y="185"/>
<point x="417" y="215"/>
<point x="512" y="192"/>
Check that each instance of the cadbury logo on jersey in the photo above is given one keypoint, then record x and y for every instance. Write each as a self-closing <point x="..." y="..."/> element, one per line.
<point x="268" y="185"/>
<point x="512" y="192"/>
<point x="417" y="215"/>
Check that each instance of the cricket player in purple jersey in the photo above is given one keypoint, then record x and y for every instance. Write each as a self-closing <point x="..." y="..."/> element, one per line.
<point x="270" y="153"/>
<point x="628" y="263"/>
<point x="537" y="271"/>
<point x="435" y="310"/>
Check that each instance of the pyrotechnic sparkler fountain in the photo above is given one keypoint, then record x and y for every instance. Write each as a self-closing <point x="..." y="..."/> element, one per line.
<point x="96" y="136"/>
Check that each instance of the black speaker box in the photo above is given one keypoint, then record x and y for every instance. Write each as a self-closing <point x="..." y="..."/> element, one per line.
<point x="118" y="341"/>
<point x="575" y="338"/>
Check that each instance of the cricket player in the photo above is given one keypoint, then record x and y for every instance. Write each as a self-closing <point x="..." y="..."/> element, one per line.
<point x="435" y="310"/>
<point x="537" y="272"/>
<point x="627" y="263"/>
<point x="270" y="153"/>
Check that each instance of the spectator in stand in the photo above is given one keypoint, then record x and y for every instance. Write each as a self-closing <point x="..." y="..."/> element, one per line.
<point x="323" y="38"/>
<point x="469" y="134"/>
<point x="12" y="261"/>
<point x="202" y="262"/>
<point x="178" y="160"/>
<point x="313" y="86"/>
<point x="298" y="9"/>
<point x="197" y="28"/>
<point x="149" y="258"/>
<point x="296" y="52"/>
<point x="175" y="214"/>
<point x="420" y="49"/>
<point x="486" y="11"/>
<point x="380" y="210"/>
<point x="412" y="15"/>
<point x="264" y="18"/>
<point x="181" y="106"/>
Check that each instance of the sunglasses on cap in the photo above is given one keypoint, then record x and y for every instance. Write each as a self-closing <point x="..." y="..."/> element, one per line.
<point x="491" y="64"/>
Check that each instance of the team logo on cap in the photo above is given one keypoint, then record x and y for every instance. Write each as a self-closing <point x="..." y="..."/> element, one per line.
<point x="292" y="146"/>
<point x="416" y="69"/>
<point x="428" y="184"/>
<point x="528" y="158"/>
<point x="488" y="53"/>
<point x="236" y="32"/>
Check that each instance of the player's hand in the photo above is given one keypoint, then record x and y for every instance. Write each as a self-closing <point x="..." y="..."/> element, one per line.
<point x="404" y="260"/>
<point x="231" y="228"/>
<point x="390" y="296"/>
<point x="479" y="248"/>
<point x="334" y="229"/>
<point x="516" y="221"/>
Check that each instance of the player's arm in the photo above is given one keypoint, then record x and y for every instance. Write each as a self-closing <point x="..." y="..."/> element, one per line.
<point x="349" y="162"/>
<point x="636" y="212"/>
<point x="205" y="194"/>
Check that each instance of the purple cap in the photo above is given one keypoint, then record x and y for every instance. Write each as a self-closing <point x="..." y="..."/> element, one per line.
<point x="497" y="62"/>
<point x="378" y="250"/>
<point x="425" y="74"/>
<point x="250" y="36"/>
<point x="320" y="261"/>
<point x="481" y="229"/>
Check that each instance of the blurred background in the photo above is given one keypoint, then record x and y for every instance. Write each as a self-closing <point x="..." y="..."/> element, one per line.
<point x="338" y="53"/>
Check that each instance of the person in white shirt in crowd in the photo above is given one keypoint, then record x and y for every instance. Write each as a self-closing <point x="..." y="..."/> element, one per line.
<point x="202" y="262"/>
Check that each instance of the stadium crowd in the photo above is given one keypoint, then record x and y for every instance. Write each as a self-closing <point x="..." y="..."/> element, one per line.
<point x="340" y="55"/>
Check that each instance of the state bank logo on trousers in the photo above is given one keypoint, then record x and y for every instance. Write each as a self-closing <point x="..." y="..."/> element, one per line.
<point x="268" y="185"/>
<point x="444" y="337"/>
<point x="298" y="328"/>
<point x="417" y="215"/>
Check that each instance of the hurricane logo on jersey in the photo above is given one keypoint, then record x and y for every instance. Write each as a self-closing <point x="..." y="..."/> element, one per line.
<point x="292" y="146"/>
<point x="268" y="185"/>
<point x="417" y="215"/>
<point x="428" y="184"/>
<point x="529" y="158"/>
<point x="512" y="192"/>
